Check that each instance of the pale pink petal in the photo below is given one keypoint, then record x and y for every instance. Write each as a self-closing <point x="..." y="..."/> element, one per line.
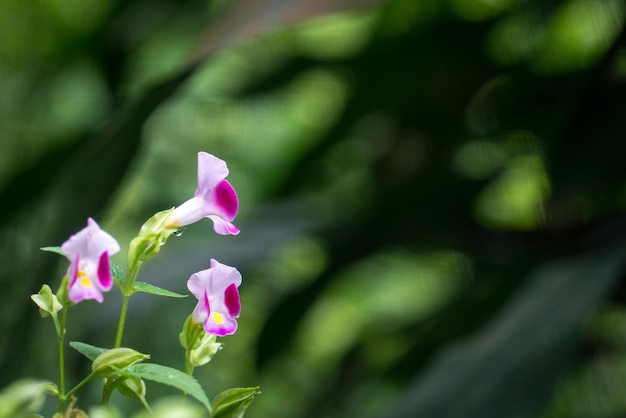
<point x="202" y="309"/>
<point x="223" y="227"/>
<point x="80" y="291"/>
<point x="211" y="170"/>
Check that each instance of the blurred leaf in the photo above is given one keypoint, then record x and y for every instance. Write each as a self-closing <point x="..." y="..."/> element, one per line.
<point x="117" y="271"/>
<point x="22" y="398"/>
<point x="171" y="377"/>
<point x="89" y="351"/>
<point x="154" y="290"/>
<point x="243" y="19"/>
<point x="510" y="368"/>
<point x="56" y="250"/>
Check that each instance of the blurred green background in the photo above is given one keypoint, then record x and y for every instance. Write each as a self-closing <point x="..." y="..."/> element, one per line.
<point x="432" y="194"/>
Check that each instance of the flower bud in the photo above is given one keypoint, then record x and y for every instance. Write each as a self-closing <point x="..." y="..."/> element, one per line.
<point x="133" y="387"/>
<point x="152" y="235"/>
<point x="202" y="354"/>
<point x="47" y="301"/>
<point x="191" y="334"/>
<point x="107" y="363"/>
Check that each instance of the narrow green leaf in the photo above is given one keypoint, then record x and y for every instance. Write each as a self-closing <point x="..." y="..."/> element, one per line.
<point x="56" y="250"/>
<point x="89" y="351"/>
<point x="232" y="403"/>
<point x="171" y="377"/>
<point x="154" y="290"/>
<point x="117" y="271"/>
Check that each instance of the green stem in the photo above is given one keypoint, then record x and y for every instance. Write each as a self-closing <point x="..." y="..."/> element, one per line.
<point x="80" y="385"/>
<point x="120" y="325"/>
<point x="60" y="329"/>
<point x="188" y="367"/>
<point x="107" y="390"/>
<point x="127" y="291"/>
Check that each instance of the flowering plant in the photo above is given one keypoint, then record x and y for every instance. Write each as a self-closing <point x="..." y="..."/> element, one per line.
<point x="91" y="273"/>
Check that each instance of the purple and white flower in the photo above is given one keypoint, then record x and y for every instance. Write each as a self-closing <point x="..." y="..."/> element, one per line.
<point x="215" y="198"/>
<point x="89" y="273"/>
<point x="218" y="298"/>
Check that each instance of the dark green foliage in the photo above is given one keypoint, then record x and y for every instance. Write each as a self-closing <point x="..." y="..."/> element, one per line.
<point x="489" y="130"/>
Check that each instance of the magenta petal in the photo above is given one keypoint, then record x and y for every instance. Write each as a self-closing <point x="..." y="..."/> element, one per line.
<point x="227" y="328"/>
<point x="207" y="305"/>
<point x="72" y="271"/>
<point x="104" y="272"/>
<point x="226" y="200"/>
<point x="232" y="301"/>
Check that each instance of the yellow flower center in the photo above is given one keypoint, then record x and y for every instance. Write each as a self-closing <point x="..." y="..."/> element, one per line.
<point x="218" y="318"/>
<point x="84" y="280"/>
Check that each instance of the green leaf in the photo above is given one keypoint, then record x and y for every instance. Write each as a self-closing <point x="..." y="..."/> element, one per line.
<point x="232" y="403"/>
<point x="117" y="271"/>
<point x="154" y="290"/>
<point x="171" y="377"/>
<point x="89" y="351"/>
<point x="56" y="250"/>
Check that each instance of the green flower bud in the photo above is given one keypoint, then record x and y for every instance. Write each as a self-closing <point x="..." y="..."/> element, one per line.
<point x="63" y="293"/>
<point x="133" y="387"/>
<point x="107" y="363"/>
<point x="205" y="351"/>
<point x="152" y="235"/>
<point x="191" y="334"/>
<point x="47" y="301"/>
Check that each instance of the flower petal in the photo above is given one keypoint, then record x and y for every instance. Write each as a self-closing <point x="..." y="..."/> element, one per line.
<point x="83" y="289"/>
<point x="232" y="301"/>
<point x="90" y="242"/>
<point x="211" y="170"/>
<point x="220" y="325"/>
<point x="218" y="298"/>
<point x="223" y="227"/>
<point x="226" y="200"/>
<point x="191" y="211"/>
<point x="72" y="270"/>
<point x="197" y="283"/>
<point x="90" y="270"/>
<point x="104" y="272"/>
<point x="202" y="309"/>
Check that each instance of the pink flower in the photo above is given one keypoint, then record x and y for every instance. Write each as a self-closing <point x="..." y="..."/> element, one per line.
<point x="89" y="273"/>
<point x="215" y="198"/>
<point x="218" y="298"/>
